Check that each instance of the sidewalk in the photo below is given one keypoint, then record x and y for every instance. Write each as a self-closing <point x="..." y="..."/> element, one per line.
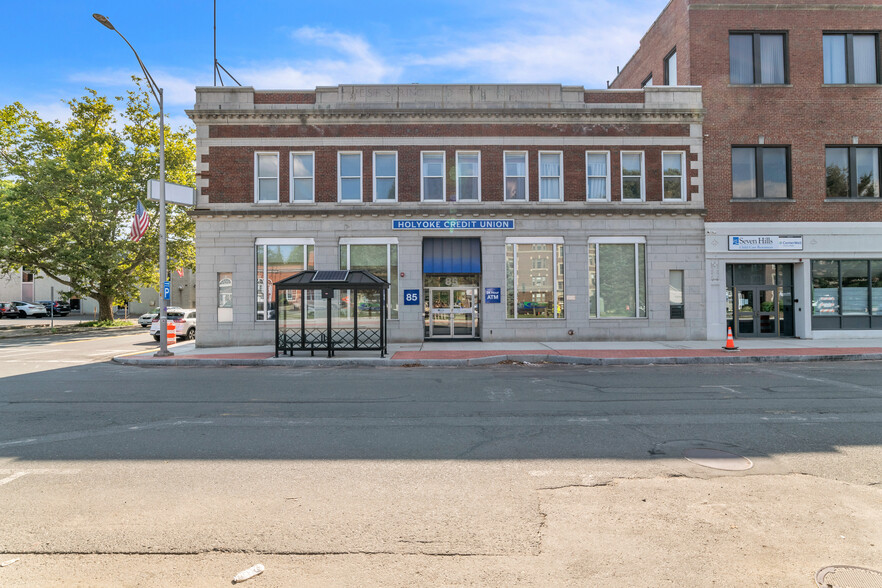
<point x="471" y="353"/>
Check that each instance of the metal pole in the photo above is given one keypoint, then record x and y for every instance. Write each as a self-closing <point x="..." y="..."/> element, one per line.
<point x="214" y="65"/>
<point x="52" y="307"/>
<point x="163" y="270"/>
<point x="157" y="93"/>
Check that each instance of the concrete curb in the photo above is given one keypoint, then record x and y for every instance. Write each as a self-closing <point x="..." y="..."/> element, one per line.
<point x="302" y="362"/>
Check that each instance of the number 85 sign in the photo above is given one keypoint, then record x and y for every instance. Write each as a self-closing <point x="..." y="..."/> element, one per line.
<point x="411" y="297"/>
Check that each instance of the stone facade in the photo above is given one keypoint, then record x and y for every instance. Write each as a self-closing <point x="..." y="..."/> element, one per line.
<point x="235" y="124"/>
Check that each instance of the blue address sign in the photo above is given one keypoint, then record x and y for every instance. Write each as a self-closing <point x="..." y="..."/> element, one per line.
<point x="411" y="297"/>
<point x="453" y="224"/>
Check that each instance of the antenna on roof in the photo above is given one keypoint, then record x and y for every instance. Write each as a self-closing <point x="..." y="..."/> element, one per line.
<point x="217" y="66"/>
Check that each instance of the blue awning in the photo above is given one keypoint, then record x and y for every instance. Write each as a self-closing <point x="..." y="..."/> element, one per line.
<point x="451" y="256"/>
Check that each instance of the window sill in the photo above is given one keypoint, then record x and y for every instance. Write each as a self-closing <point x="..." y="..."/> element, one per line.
<point x="873" y="86"/>
<point x="535" y="318"/>
<point x="618" y="318"/>
<point x="873" y="199"/>
<point x="763" y="200"/>
<point x="760" y="85"/>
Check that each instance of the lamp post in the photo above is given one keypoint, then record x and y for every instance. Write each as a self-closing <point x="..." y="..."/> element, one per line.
<point x="157" y="93"/>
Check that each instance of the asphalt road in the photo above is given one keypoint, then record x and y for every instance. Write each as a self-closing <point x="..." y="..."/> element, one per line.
<point x="512" y="475"/>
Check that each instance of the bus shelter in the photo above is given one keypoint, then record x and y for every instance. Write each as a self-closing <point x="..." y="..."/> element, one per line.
<point x="330" y="311"/>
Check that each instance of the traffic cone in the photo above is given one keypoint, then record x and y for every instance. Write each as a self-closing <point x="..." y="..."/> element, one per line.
<point x="730" y="342"/>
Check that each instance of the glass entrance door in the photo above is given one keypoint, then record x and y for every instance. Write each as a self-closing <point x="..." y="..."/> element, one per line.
<point x="452" y="312"/>
<point x="756" y="311"/>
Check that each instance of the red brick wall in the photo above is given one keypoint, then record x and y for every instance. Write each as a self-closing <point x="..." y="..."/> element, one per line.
<point x="231" y="175"/>
<point x="668" y="31"/>
<point x="604" y="97"/>
<point x="284" y="97"/>
<point x="804" y="114"/>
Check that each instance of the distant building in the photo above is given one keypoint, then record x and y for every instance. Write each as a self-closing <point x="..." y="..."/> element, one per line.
<point x="792" y="130"/>
<point x="496" y="212"/>
<point x="30" y="287"/>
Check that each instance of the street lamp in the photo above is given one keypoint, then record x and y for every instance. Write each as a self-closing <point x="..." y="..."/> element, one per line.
<point x="157" y="93"/>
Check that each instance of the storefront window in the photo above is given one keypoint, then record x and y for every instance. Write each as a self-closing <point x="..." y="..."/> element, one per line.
<point x="876" y="287"/>
<point x="825" y="287"/>
<point x="854" y="287"/>
<point x="381" y="259"/>
<point x="616" y="279"/>
<point x="277" y="262"/>
<point x="534" y="280"/>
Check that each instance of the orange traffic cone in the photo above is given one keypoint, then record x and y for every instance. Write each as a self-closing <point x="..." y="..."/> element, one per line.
<point x="730" y="342"/>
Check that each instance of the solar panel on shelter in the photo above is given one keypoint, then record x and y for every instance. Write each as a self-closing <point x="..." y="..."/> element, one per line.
<point x="330" y="276"/>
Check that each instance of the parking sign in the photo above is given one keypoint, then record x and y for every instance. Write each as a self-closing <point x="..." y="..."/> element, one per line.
<point x="166" y="290"/>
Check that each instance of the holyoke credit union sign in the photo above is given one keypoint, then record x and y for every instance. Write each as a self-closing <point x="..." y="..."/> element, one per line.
<point x="452" y="224"/>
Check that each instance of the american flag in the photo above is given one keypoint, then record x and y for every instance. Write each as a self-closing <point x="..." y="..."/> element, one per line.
<point x="139" y="223"/>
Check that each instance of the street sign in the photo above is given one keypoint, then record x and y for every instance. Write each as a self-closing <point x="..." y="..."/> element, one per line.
<point x="174" y="193"/>
<point x="411" y="297"/>
<point x="166" y="290"/>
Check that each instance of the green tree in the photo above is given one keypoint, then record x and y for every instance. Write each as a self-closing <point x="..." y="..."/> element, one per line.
<point x="71" y="190"/>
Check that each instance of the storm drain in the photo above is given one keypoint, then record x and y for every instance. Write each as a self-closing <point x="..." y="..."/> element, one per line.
<point x="848" y="577"/>
<point x="717" y="459"/>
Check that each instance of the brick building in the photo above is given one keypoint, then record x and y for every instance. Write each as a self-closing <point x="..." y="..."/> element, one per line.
<point x="792" y="137"/>
<point x="496" y="212"/>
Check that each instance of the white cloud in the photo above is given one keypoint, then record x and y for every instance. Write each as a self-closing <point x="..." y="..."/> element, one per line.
<point x="176" y="91"/>
<point x="565" y="41"/>
<point x="356" y="62"/>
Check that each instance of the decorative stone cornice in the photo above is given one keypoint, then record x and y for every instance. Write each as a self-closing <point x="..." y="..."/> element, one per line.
<point x="311" y="117"/>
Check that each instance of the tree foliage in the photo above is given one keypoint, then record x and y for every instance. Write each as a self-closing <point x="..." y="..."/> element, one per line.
<point x="70" y="190"/>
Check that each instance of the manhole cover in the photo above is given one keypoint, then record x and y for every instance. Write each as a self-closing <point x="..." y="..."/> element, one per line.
<point x="719" y="460"/>
<point x="848" y="577"/>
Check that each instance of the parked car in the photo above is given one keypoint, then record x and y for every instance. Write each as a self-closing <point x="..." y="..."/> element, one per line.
<point x="56" y="307"/>
<point x="26" y="309"/>
<point x="7" y="310"/>
<point x="183" y="319"/>
<point x="146" y="319"/>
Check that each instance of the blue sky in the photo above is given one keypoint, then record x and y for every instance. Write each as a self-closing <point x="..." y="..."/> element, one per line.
<point x="50" y="50"/>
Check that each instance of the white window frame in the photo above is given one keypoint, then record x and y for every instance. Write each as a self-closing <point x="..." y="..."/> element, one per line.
<point x="263" y="242"/>
<point x="442" y="176"/>
<point x="557" y="244"/>
<point x="458" y="175"/>
<point x="526" y="176"/>
<point x="258" y="177"/>
<point x="560" y="178"/>
<point x="683" y="175"/>
<point x="376" y="176"/>
<point x="642" y="175"/>
<point x="670" y="72"/>
<point x="608" y="177"/>
<point x="392" y="305"/>
<point x="311" y="154"/>
<point x="638" y="277"/>
<point x="341" y="177"/>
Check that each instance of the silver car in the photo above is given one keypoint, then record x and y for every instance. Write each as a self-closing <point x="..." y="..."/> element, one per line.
<point x="26" y="309"/>
<point x="146" y="319"/>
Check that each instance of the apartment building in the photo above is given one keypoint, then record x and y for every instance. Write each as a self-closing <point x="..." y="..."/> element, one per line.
<point x="792" y="135"/>
<point x="495" y="212"/>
